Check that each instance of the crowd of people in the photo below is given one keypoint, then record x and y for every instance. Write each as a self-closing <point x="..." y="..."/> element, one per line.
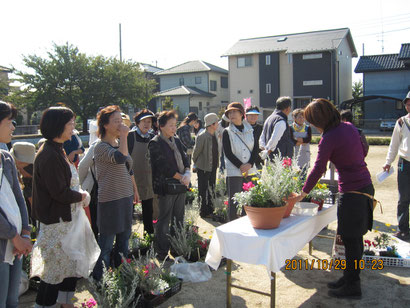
<point x="151" y="164"/>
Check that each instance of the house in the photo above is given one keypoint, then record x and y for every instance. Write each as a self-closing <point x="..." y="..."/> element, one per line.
<point x="300" y="65"/>
<point x="195" y="86"/>
<point x="386" y="75"/>
<point x="149" y="73"/>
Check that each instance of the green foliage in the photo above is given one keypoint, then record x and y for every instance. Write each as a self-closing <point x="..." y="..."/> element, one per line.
<point x="83" y="83"/>
<point x="167" y="103"/>
<point x="357" y="89"/>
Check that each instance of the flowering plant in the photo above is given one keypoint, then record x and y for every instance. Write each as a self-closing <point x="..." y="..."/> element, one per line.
<point x="367" y="248"/>
<point x="137" y="241"/>
<point x="320" y="192"/>
<point x="278" y="180"/>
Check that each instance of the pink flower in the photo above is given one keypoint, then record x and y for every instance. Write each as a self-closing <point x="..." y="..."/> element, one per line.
<point x="247" y="186"/>
<point x="287" y="162"/>
<point x="226" y="202"/>
<point x="155" y="221"/>
<point x="91" y="303"/>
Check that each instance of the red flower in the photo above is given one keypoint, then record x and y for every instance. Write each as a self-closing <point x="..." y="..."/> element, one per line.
<point x="287" y="162"/>
<point x="247" y="186"/>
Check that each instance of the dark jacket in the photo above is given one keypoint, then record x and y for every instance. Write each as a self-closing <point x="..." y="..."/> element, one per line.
<point x="285" y="144"/>
<point x="163" y="162"/>
<point x="184" y="134"/>
<point x="52" y="194"/>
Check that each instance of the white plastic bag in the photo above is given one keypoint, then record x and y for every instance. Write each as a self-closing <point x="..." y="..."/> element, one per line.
<point x="80" y="244"/>
<point x="23" y="283"/>
<point x="193" y="272"/>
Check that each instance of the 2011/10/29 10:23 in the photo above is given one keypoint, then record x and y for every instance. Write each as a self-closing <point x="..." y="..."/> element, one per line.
<point x="336" y="264"/>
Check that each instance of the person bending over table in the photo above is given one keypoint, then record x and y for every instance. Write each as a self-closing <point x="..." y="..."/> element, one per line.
<point x="341" y="145"/>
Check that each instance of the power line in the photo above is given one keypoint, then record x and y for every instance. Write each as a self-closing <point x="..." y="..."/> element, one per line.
<point x="378" y="33"/>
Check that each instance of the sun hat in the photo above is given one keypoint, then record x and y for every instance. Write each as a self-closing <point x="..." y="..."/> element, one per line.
<point x="24" y="152"/>
<point x="252" y="110"/>
<point x="210" y="119"/>
<point x="235" y="106"/>
<point x="144" y="115"/>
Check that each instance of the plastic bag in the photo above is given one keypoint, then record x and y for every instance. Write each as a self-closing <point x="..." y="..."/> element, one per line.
<point x="193" y="272"/>
<point x="24" y="284"/>
<point x="80" y="244"/>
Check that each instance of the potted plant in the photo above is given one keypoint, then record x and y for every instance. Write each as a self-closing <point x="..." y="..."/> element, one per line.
<point x="319" y="194"/>
<point x="139" y="245"/>
<point x="266" y="202"/>
<point x="367" y="248"/>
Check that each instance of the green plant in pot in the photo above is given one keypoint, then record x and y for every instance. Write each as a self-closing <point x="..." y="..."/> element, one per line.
<point x="266" y="202"/>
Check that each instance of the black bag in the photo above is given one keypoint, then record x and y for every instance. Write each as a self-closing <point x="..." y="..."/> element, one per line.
<point x="174" y="187"/>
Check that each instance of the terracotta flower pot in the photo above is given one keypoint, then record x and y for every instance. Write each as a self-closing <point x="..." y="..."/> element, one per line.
<point x="289" y="205"/>
<point x="265" y="217"/>
<point x="318" y="202"/>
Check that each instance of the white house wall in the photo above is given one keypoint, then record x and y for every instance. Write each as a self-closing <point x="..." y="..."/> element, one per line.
<point x="344" y="56"/>
<point x="172" y="81"/>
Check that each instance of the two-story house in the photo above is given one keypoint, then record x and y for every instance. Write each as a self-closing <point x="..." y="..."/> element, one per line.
<point x="195" y="86"/>
<point x="385" y="75"/>
<point x="300" y="65"/>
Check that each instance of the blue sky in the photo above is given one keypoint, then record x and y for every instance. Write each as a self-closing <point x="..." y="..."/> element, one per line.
<point x="172" y="32"/>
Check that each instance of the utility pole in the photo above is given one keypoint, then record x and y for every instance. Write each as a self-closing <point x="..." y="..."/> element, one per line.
<point x="120" y="45"/>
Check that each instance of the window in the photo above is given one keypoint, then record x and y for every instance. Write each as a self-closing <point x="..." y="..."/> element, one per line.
<point x="312" y="56"/>
<point x="200" y="106"/>
<point x="181" y="81"/>
<point x="268" y="88"/>
<point x="244" y="61"/>
<point x="267" y="59"/>
<point x="224" y="82"/>
<point x="213" y="85"/>
<point x="313" y="82"/>
<point x="239" y="91"/>
<point x="207" y="104"/>
<point x="198" y="80"/>
<point x="250" y="91"/>
<point x="399" y="105"/>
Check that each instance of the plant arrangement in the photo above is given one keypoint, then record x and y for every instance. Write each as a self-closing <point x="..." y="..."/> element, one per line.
<point x="191" y="195"/>
<point x="319" y="193"/>
<point x="368" y="248"/>
<point x="278" y="180"/>
<point x="140" y="244"/>
<point x="381" y="246"/>
<point x="187" y="242"/>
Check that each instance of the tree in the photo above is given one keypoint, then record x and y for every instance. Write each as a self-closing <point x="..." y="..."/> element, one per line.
<point x="357" y="89"/>
<point x="167" y="103"/>
<point x="83" y="83"/>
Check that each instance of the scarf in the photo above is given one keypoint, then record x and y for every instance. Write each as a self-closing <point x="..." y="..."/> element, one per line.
<point x="178" y="157"/>
<point x="299" y="128"/>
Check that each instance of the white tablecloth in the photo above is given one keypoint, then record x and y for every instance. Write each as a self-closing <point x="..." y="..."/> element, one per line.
<point x="239" y="241"/>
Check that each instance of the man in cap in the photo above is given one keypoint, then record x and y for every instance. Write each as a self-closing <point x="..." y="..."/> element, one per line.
<point x="206" y="157"/>
<point x="275" y="137"/>
<point x="400" y="143"/>
<point x="252" y="115"/>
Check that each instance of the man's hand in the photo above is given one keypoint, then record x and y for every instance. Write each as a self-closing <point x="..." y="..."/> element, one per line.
<point x="386" y="167"/>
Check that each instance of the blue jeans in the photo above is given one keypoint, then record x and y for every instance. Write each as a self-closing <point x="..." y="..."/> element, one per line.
<point x="105" y="241"/>
<point x="10" y="276"/>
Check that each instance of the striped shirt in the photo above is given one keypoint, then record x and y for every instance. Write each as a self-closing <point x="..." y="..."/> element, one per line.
<point x="113" y="177"/>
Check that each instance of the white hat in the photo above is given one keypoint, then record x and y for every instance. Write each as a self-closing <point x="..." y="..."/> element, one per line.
<point x="210" y="119"/>
<point x="24" y="152"/>
<point x="225" y="118"/>
<point x="406" y="98"/>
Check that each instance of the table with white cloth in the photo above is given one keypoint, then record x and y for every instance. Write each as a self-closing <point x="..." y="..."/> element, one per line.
<point x="239" y="241"/>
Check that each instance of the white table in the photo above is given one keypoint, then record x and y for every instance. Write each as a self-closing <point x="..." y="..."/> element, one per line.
<point x="239" y="241"/>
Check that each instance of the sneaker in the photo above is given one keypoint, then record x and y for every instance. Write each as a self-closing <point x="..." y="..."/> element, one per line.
<point x="336" y="284"/>
<point x="402" y="235"/>
<point x="351" y="290"/>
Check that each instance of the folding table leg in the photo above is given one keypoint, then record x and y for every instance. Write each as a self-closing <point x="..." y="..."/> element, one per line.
<point x="310" y="247"/>
<point x="228" y="283"/>
<point x="273" y="290"/>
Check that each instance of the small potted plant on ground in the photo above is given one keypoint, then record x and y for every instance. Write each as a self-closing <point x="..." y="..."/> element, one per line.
<point x="139" y="245"/>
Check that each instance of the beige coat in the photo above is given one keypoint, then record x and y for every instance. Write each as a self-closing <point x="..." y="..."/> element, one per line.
<point x="202" y="155"/>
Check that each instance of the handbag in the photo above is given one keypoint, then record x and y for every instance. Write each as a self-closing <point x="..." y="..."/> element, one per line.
<point x="174" y="187"/>
<point x="368" y="196"/>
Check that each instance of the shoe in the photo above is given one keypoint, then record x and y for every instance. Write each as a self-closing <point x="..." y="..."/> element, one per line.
<point x="336" y="284"/>
<point x="348" y="290"/>
<point x="402" y="235"/>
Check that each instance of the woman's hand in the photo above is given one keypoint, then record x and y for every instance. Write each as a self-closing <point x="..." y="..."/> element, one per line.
<point x="136" y="197"/>
<point x="386" y="168"/>
<point x="21" y="245"/>
<point x="245" y="168"/>
<point x="298" y="197"/>
<point x="124" y="130"/>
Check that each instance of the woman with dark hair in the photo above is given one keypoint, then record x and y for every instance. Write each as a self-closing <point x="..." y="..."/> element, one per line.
<point x="198" y="127"/>
<point x="170" y="169"/>
<point x="14" y="229"/>
<point x="184" y="132"/>
<point x="116" y="188"/>
<point x="341" y="145"/>
<point x="56" y="202"/>
<point x="138" y="140"/>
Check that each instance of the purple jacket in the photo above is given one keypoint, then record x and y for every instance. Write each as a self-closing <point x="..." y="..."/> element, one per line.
<point x="342" y="146"/>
